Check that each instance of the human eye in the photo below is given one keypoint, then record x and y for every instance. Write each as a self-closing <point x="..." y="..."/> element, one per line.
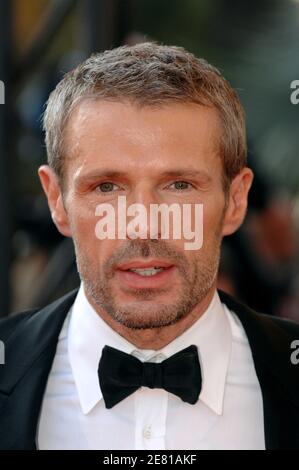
<point x="106" y="187"/>
<point x="180" y="185"/>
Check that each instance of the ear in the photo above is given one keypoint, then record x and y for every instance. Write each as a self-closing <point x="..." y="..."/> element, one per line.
<point x="238" y="200"/>
<point x="53" y="192"/>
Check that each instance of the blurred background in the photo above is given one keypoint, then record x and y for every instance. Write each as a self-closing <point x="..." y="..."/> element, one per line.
<point x="254" y="44"/>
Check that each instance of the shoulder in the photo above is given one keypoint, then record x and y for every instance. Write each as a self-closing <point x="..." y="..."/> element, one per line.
<point x="261" y="322"/>
<point x="273" y="342"/>
<point x="8" y="325"/>
<point x="44" y="319"/>
<point x="288" y="326"/>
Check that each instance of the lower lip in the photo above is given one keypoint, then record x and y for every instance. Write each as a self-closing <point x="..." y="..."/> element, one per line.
<point x="134" y="280"/>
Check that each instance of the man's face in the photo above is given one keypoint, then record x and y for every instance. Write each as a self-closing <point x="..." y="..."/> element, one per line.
<point x="151" y="155"/>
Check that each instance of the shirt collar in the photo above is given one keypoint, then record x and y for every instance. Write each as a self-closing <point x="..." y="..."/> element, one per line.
<point x="88" y="333"/>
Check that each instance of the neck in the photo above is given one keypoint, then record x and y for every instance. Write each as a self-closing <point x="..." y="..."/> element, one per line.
<point x="156" y="338"/>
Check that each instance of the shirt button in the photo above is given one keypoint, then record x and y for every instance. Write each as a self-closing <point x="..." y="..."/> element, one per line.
<point x="147" y="432"/>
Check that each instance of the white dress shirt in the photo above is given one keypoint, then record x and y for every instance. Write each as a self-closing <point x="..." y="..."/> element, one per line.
<point x="228" y="414"/>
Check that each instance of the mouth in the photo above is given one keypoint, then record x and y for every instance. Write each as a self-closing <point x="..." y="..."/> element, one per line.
<point x="150" y="274"/>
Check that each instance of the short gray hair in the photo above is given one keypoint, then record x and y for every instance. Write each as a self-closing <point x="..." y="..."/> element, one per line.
<point x="148" y="74"/>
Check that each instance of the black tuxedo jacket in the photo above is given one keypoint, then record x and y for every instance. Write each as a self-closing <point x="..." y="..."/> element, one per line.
<point x="30" y="342"/>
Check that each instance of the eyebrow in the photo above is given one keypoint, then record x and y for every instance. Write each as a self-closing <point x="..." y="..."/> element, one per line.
<point x="188" y="172"/>
<point x="181" y="172"/>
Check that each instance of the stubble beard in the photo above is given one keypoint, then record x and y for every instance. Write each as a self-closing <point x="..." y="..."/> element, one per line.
<point x="196" y="278"/>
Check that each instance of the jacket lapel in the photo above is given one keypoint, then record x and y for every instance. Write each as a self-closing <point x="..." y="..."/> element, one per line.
<point x="29" y="353"/>
<point x="270" y="339"/>
<point x="31" y="350"/>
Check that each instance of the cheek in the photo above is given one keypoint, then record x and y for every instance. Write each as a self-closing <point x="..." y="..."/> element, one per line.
<point x="83" y="227"/>
<point x="83" y="222"/>
<point x="213" y="220"/>
<point x="83" y="218"/>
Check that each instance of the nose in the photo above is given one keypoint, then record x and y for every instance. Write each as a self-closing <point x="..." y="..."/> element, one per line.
<point x="139" y="221"/>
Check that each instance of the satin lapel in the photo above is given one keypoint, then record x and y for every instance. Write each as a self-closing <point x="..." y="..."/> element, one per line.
<point x="29" y="353"/>
<point x="31" y="348"/>
<point x="270" y="341"/>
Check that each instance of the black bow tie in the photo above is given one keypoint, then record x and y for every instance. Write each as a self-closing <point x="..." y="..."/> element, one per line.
<point x="121" y="374"/>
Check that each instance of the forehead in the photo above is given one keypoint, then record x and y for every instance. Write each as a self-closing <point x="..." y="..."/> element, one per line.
<point x="134" y="136"/>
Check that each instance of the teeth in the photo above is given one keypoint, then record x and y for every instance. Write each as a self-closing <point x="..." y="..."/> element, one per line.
<point x="146" y="271"/>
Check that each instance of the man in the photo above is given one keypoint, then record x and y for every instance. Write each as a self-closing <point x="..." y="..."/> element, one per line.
<point x="148" y="354"/>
